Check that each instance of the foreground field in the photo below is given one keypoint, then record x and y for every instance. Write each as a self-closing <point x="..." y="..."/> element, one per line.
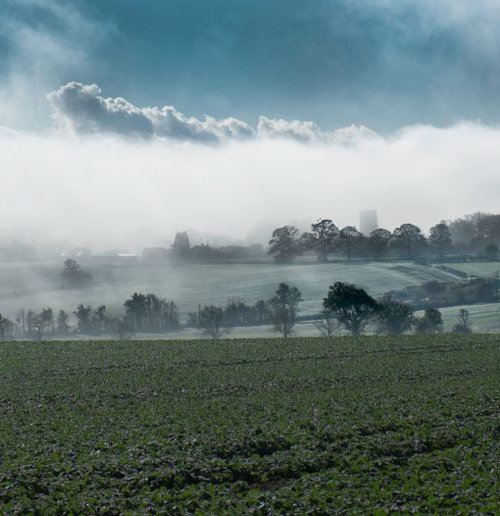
<point x="309" y="425"/>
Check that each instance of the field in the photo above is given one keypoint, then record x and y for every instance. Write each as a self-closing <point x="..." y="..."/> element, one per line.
<point x="486" y="269"/>
<point x="38" y="285"/>
<point x="262" y="426"/>
<point x="484" y="317"/>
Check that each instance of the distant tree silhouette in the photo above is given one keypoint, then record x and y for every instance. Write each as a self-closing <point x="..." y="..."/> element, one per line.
<point x="379" y="242"/>
<point x="285" y="244"/>
<point x="394" y="317"/>
<point x="431" y="322"/>
<point x="123" y="329"/>
<point x="6" y="329"/>
<point x="440" y="238"/>
<point x="212" y="322"/>
<point x="321" y="239"/>
<point x="348" y="238"/>
<point x="283" y="308"/>
<point x="73" y="276"/>
<point x="150" y="313"/>
<point x="463" y="325"/>
<point x="491" y="252"/>
<point x="352" y="306"/>
<point x="83" y="316"/>
<point x="409" y="239"/>
<point x="62" y="324"/>
<point x="327" y="324"/>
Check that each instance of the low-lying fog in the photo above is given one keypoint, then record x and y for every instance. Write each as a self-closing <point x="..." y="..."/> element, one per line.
<point x="108" y="192"/>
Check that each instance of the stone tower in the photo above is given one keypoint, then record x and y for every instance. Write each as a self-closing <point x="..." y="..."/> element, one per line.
<point x="368" y="221"/>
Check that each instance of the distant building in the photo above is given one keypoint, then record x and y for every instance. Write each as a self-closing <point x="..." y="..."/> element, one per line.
<point x="155" y="255"/>
<point x="368" y="221"/>
<point x="181" y="246"/>
<point x="115" y="257"/>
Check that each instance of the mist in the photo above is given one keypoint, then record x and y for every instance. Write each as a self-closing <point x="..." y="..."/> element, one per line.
<point x="106" y="192"/>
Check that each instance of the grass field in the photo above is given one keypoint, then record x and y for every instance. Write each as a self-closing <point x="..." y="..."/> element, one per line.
<point x="36" y="285"/>
<point x="484" y="317"/>
<point x="262" y="426"/>
<point x="486" y="269"/>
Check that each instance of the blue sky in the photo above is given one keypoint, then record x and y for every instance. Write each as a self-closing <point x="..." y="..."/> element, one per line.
<point x="380" y="63"/>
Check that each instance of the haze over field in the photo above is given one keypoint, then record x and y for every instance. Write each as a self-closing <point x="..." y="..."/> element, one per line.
<point x="366" y="117"/>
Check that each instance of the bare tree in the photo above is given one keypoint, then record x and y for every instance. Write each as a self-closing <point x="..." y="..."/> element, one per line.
<point x="327" y="325"/>
<point x="463" y="325"/>
<point x="124" y="329"/>
<point x="212" y="322"/>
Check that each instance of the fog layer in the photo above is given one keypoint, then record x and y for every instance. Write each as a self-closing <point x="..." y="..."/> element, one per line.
<point x="108" y="191"/>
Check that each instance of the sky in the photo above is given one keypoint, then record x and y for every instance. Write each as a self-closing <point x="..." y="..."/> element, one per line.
<point x="267" y="99"/>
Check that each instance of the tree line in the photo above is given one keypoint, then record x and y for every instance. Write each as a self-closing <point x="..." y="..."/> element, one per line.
<point x="146" y="313"/>
<point x="345" y="308"/>
<point x="479" y="233"/>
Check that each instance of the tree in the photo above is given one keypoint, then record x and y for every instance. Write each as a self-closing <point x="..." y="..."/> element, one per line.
<point x="378" y="243"/>
<point x="491" y="252"/>
<point x="409" y="238"/>
<point x="321" y="239"/>
<point x="212" y="322"/>
<point x="62" y="325"/>
<point x="352" y="306"/>
<point x="394" y="317"/>
<point x="47" y="321"/>
<point x="6" y="329"/>
<point x="327" y="324"/>
<point x="100" y="320"/>
<point x="283" y="308"/>
<point x="464" y="231"/>
<point x="73" y="276"/>
<point x="431" y="322"/>
<point x="150" y="313"/>
<point x="440" y="238"/>
<point x="348" y="238"/>
<point x="285" y="245"/>
<point x="488" y="227"/>
<point x="463" y="325"/>
<point x="123" y="329"/>
<point x="33" y="326"/>
<point x="261" y="312"/>
<point x="83" y="317"/>
<point x="135" y="308"/>
<point x="21" y="322"/>
<point x="40" y="325"/>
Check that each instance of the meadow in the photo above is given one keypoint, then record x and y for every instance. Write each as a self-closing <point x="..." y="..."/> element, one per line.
<point x="37" y="285"/>
<point x="261" y="426"/>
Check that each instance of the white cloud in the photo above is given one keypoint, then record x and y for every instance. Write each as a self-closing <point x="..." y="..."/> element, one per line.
<point x="309" y="132"/>
<point x="83" y="109"/>
<point x="293" y="129"/>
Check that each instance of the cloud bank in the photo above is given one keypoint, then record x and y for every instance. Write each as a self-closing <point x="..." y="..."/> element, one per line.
<point x="107" y="192"/>
<point x="82" y="109"/>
